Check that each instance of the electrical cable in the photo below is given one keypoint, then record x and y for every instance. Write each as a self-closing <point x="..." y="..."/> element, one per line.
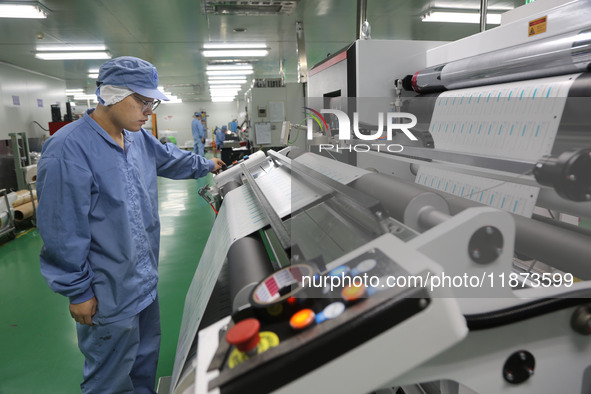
<point x="514" y="314"/>
<point x="38" y="124"/>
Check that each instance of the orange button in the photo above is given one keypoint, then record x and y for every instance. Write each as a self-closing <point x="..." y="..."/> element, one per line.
<point x="352" y="293"/>
<point x="302" y="319"/>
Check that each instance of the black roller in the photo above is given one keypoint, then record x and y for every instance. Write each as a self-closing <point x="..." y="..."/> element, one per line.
<point x="248" y="264"/>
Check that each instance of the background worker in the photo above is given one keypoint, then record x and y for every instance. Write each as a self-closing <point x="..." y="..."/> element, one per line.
<point x="220" y="137"/>
<point x="98" y="218"/>
<point x="234" y="125"/>
<point x="199" y="134"/>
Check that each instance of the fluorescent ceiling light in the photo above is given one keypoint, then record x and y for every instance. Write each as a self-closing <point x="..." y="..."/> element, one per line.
<point x="72" y="91"/>
<point x="214" y="87"/>
<point x="236" y="52"/>
<point x="93" y="76"/>
<point x="228" y="78"/>
<point x="94" y="71"/>
<point x="222" y="99"/>
<point x="228" y="93"/>
<point x="85" y="97"/>
<point x="72" y="55"/>
<point x="235" y="45"/>
<point x="65" y="48"/>
<point x="226" y="81"/>
<point x="25" y="9"/>
<point x="229" y="67"/>
<point x="460" y="17"/>
<point x="228" y="72"/>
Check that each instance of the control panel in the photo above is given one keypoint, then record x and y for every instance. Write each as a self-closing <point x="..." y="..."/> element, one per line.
<point x="303" y="319"/>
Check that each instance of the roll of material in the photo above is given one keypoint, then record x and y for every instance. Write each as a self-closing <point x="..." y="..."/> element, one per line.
<point x="4" y="220"/>
<point x="24" y="211"/>
<point x="22" y="197"/>
<point x="11" y="197"/>
<point x="557" y="55"/>
<point x="30" y="173"/>
<point x="248" y="264"/>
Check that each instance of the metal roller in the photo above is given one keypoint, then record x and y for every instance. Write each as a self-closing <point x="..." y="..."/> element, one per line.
<point x="565" y="249"/>
<point x="558" y="55"/>
<point x="405" y="204"/>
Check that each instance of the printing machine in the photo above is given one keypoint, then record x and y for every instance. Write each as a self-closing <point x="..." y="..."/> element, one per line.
<point x="488" y="295"/>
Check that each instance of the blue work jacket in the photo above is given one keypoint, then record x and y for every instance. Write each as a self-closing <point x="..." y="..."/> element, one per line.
<point x="198" y="131"/>
<point x="98" y="214"/>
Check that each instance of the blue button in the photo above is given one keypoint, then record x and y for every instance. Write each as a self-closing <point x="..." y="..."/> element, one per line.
<point x="340" y="271"/>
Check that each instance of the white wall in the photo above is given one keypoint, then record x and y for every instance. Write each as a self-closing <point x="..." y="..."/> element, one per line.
<point x="175" y="119"/>
<point x="28" y="87"/>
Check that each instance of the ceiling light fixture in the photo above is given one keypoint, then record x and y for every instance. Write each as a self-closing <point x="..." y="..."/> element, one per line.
<point x="66" y="48"/>
<point x="23" y="9"/>
<point x="213" y="67"/>
<point x="72" y="55"/>
<point x="93" y="75"/>
<point x="228" y="78"/>
<point x="72" y="91"/>
<point x="236" y="52"/>
<point x="222" y="99"/>
<point x="226" y="81"/>
<point x="460" y="16"/>
<point x="229" y="72"/>
<point x="235" y="45"/>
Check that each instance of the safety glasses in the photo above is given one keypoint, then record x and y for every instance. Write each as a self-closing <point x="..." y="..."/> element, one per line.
<point x="151" y="105"/>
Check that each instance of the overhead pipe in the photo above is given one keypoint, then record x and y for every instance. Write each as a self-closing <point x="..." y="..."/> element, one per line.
<point x="483" y="14"/>
<point x="361" y="17"/>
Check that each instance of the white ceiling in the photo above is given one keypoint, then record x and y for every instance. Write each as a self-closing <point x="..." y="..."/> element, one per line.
<point x="171" y="33"/>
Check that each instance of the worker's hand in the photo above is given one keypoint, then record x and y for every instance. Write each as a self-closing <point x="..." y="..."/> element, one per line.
<point x="203" y="140"/>
<point x="218" y="164"/>
<point x="84" y="311"/>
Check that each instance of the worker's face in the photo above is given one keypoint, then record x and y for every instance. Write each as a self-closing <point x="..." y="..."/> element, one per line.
<point x="131" y="113"/>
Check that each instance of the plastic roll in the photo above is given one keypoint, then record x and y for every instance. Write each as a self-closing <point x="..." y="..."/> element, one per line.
<point x="30" y="173"/>
<point x="24" y="211"/>
<point x="558" y="55"/>
<point x="4" y="220"/>
<point x="248" y="264"/>
<point x="22" y="197"/>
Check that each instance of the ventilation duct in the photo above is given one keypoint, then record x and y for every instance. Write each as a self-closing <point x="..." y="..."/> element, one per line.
<point x="239" y="7"/>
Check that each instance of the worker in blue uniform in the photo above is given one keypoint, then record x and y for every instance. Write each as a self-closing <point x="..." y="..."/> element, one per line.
<point x="220" y="137"/>
<point x="98" y="218"/>
<point x="199" y="134"/>
<point x="234" y="125"/>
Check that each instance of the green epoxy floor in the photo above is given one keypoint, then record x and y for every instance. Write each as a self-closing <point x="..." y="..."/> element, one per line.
<point x="38" y="346"/>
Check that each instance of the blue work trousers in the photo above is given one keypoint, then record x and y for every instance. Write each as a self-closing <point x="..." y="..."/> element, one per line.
<point x="199" y="148"/>
<point x="121" y="357"/>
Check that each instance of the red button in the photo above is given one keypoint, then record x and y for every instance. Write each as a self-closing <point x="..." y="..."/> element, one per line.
<point x="244" y="335"/>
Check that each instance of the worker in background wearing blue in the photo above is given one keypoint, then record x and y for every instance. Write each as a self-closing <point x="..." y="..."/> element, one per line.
<point x="98" y="218"/>
<point x="199" y="134"/>
<point x="234" y="125"/>
<point x="220" y="137"/>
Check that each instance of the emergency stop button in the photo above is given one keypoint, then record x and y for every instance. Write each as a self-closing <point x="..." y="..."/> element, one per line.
<point x="245" y="335"/>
